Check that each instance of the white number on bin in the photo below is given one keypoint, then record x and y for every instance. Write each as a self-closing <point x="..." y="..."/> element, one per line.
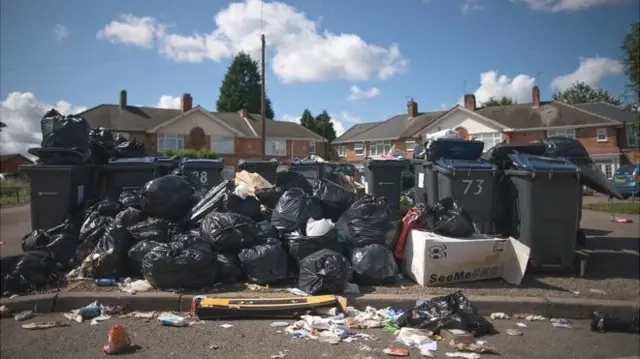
<point x="474" y="187"/>
<point x="202" y="176"/>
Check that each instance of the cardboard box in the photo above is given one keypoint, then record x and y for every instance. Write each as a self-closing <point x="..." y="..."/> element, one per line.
<point x="432" y="260"/>
<point x="457" y="336"/>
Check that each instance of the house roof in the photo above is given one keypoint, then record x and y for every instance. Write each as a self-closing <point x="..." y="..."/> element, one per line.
<point x="608" y="110"/>
<point x="144" y="118"/>
<point x="548" y="114"/>
<point x="399" y="126"/>
<point x="355" y="130"/>
<point x="7" y="157"/>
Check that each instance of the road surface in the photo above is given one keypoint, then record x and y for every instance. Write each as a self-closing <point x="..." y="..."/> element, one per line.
<point x="256" y="339"/>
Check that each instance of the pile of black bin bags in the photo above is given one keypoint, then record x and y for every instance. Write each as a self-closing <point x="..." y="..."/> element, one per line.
<point x="178" y="240"/>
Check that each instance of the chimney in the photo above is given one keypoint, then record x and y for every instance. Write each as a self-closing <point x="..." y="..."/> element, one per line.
<point x="123" y="99"/>
<point x="186" y="102"/>
<point x="244" y="113"/>
<point x="412" y="108"/>
<point x="535" y="96"/>
<point x="470" y="102"/>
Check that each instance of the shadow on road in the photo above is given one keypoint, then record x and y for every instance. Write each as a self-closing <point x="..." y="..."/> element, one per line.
<point x="613" y="257"/>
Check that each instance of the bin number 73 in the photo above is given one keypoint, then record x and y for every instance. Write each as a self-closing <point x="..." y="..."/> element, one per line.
<point x="202" y="176"/>
<point x="473" y="187"/>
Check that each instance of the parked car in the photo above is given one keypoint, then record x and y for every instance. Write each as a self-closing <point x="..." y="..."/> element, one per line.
<point x="627" y="180"/>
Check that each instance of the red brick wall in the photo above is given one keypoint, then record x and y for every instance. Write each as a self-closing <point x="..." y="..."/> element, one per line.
<point x="351" y="156"/>
<point x="630" y="155"/>
<point x="589" y="139"/>
<point x="11" y="165"/>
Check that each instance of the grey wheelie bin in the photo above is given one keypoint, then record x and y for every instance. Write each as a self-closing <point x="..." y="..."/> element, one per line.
<point x="471" y="183"/>
<point x="545" y="197"/>
<point x="208" y="171"/>
<point x="265" y="168"/>
<point x="383" y="178"/>
<point x="312" y="171"/>
<point x="426" y="182"/>
<point x="128" y="174"/>
<point x="166" y="165"/>
<point x="58" y="190"/>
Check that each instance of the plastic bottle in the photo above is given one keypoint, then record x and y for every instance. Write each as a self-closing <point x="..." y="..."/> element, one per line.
<point x="105" y="282"/>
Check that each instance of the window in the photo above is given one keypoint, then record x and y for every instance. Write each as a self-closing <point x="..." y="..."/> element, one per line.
<point x="358" y="148"/>
<point x="490" y="139"/>
<point x="276" y="147"/>
<point x="601" y="135"/>
<point x="410" y="145"/>
<point x="607" y="166"/>
<point x="312" y="147"/>
<point x="633" y="138"/>
<point x="222" y="145"/>
<point x="379" y="148"/>
<point x="170" y="142"/>
<point x="342" y="151"/>
<point x="569" y="132"/>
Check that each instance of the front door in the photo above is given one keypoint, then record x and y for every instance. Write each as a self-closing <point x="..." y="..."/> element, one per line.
<point x="197" y="139"/>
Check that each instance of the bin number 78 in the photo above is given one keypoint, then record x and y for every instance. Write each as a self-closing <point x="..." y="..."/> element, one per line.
<point x="202" y="176"/>
<point x="473" y="187"/>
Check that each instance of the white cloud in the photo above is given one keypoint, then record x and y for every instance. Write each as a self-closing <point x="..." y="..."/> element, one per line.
<point x="356" y="93"/>
<point x="590" y="71"/>
<point x="470" y="5"/>
<point x="566" y="5"/>
<point x="494" y="85"/>
<point x="300" y="51"/>
<point x="60" y="32"/>
<point x="338" y="119"/>
<point x="22" y="112"/>
<point x="167" y="101"/>
<point x="132" y="30"/>
<point x="443" y="106"/>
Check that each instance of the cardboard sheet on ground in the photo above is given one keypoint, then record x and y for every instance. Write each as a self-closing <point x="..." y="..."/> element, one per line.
<point x="433" y="260"/>
<point x="252" y="180"/>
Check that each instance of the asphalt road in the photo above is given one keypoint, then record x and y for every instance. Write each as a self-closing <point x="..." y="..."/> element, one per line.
<point x="256" y="339"/>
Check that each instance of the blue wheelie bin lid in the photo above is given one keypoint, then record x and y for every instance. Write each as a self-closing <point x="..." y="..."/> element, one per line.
<point x="451" y="165"/>
<point x="453" y="148"/>
<point x="385" y="163"/>
<point x="531" y="163"/>
<point x="203" y="162"/>
<point x="133" y="161"/>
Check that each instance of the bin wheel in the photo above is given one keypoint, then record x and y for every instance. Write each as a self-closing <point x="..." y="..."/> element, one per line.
<point x="581" y="240"/>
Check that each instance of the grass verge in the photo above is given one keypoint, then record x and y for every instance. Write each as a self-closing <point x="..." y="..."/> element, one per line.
<point x="615" y="207"/>
<point x="13" y="192"/>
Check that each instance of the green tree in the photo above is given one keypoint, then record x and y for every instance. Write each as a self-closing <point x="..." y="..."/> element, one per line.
<point x="580" y="92"/>
<point x="503" y="101"/>
<point x="320" y="124"/>
<point x="631" y="62"/>
<point x="307" y="120"/>
<point x="240" y="88"/>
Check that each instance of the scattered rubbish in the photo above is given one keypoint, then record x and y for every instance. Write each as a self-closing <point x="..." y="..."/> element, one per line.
<point x="562" y="325"/>
<point x="226" y="326"/>
<point x="457" y="336"/>
<point x="521" y="325"/>
<point x="171" y="320"/>
<point x="106" y="282"/>
<point x="365" y="348"/>
<point x="4" y="311"/>
<point x="560" y="320"/>
<point x="597" y="291"/>
<point x="535" y="318"/>
<point x="133" y="287"/>
<point x="463" y="355"/>
<point x="326" y="311"/>
<point x="100" y="318"/>
<point x="603" y="322"/>
<point x="279" y="355"/>
<point x="499" y="315"/>
<point x="214" y="346"/>
<point x="396" y="352"/>
<point x="278" y="324"/>
<point x="43" y="325"/>
<point x="299" y="292"/>
<point x="473" y="348"/>
<point x="620" y="220"/>
<point x="329" y="337"/>
<point x="111" y="310"/>
<point x="351" y="288"/>
<point x="73" y="317"/>
<point x="140" y="315"/>
<point x="90" y="311"/>
<point x="513" y="332"/>
<point x="117" y="340"/>
<point x="27" y="314"/>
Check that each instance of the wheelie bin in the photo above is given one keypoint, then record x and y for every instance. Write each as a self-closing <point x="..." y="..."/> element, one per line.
<point x="266" y="169"/>
<point x="384" y="178"/>
<point x="208" y="171"/>
<point x="128" y="174"/>
<point x="166" y="165"/>
<point x="544" y="207"/>
<point x="312" y="171"/>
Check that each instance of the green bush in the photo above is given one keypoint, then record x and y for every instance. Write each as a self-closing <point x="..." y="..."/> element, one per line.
<point x="190" y="153"/>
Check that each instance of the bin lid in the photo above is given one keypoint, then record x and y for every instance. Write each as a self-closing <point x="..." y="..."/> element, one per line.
<point x="202" y="161"/>
<point x="272" y="162"/>
<point x="386" y="163"/>
<point x="136" y="160"/>
<point x="167" y="159"/>
<point x="456" y="165"/>
<point x="454" y="148"/>
<point x="523" y="161"/>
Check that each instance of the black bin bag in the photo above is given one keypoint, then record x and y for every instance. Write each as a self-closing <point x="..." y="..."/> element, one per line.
<point x="452" y="311"/>
<point x="131" y="198"/>
<point x="265" y="263"/>
<point x="369" y="220"/>
<point x="64" y="131"/>
<point x="109" y="257"/>
<point x="334" y="198"/>
<point x="213" y="201"/>
<point x="60" y="241"/>
<point x="324" y="272"/>
<point x="228" y="232"/>
<point x="229" y="270"/>
<point x="93" y="228"/>
<point x="269" y="197"/>
<point x="169" y="197"/>
<point x="136" y="255"/>
<point x="448" y="218"/>
<point x="151" y="229"/>
<point x="129" y="217"/>
<point x="249" y="207"/>
<point x="374" y="264"/>
<point x="293" y="211"/>
<point x="287" y="180"/>
<point x="27" y="272"/>
<point x="181" y="265"/>
<point x="302" y="246"/>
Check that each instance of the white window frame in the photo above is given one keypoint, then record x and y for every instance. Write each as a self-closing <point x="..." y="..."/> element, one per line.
<point x="312" y="144"/>
<point x="567" y="132"/>
<point x="490" y="139"/>
<point x="223" y="145"/>
<point x="342" y="151"/>
<point x="601" y="135"/>
<point x="358" y="148"/>
<point x="407" y="143"/>
<point x="276" y="147"/>
<point x="633" y="139"/>
<point x="177" y="142"/>
<point x="379" y="148"/>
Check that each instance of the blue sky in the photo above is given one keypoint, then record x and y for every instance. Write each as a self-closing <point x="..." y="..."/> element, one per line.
<point x="359" y="60"/>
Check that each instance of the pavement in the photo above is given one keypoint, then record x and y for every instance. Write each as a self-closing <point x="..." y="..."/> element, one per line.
<point x="256" y="339"/>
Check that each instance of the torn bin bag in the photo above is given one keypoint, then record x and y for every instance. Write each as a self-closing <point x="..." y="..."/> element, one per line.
<point x="179" y="266"/>
<point x="448" y="218"/>
<point x="374" y="264"/>
<point x="136" y="255"/>
<point x="168" y="197"/>
<point x="334" y="198"/>
<point x="302" y="246"/>
<point x="228" y="232"/>
<point x="93" y="228"/>
<point x="293" y="211"/>
<point x="324" y="272"/>
<point x="229" y="270"/>
<point x="265" y="263"/>
<point x="369" y="220"/>
<point x="214" y="201"/>
<point x="109" y="257"/>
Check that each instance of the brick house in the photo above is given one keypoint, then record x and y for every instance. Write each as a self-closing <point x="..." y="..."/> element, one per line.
<point x="10" y="163"/>
<point x="233" y="136"/>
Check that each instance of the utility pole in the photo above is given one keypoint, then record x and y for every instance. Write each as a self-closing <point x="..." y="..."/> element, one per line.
<point x="263" y="109"/>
